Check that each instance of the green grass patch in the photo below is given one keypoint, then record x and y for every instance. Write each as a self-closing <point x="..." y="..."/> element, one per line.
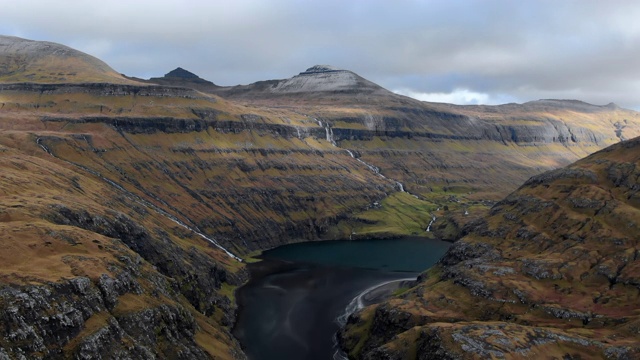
<point x="252" y="257"/>
<point x="229" y="291"/>
<point x="398" y="214"/>
<point x="400" y="291"/>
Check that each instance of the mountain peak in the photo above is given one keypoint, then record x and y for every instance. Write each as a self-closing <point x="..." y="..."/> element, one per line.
<point x="325" y="78"/>
<point x="181" y="73"/>
<point x="23" y="60"/>
<point x="182" y="77"/>
<point x="321" y="69"/>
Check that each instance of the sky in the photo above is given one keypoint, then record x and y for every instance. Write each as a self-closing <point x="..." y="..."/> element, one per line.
<point x="463" y="52"/>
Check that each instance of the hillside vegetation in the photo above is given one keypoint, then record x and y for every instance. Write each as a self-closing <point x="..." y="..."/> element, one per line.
<point x="552" y="272"/>
<point x="129" y="204"/>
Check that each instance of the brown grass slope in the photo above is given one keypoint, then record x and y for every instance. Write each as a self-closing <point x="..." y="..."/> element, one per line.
<point x="86" y="272"/>
<point x="552" y="272"/>
<point x="23" y="60"/>
<point x="461" y="157"/>
<point x="94" y="178"/>
<point x="98" y="174"/>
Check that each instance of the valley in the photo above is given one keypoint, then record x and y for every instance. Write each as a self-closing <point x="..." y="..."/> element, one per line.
<point x="130" y="207"/>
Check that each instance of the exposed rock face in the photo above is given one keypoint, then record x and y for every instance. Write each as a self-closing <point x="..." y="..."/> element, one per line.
<point x="322" y="78"/>
<point x="139" y="192"/>
<point x="99" y="90"/>
<point x="316" y="81"/>
<point x="553" y="269"/>
<point x="83" y="316"/>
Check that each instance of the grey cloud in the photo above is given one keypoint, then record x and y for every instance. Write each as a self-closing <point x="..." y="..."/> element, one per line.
<point x="517" y="49"/>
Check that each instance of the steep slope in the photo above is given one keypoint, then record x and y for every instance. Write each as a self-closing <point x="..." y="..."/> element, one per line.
<point x="461" y="158"/>
<point x="125" y="207"/>
<point x="553" y="271"/>
<point x="134" y="200"/>
<point x="314" y="83"/>
<point x="24" y="60"/>
<point x="88" y="271"/>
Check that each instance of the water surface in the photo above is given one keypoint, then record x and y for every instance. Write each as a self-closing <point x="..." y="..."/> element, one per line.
<point x="289" y="308"/>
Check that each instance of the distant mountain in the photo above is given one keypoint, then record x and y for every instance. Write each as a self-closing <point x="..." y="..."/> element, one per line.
<point x="127" y="202"/>
<point x="318" y="80"/>
<point x="553" y="269"/>
<point x="24" y="60"/>
<point x="181" y="73"/>
<point x="183" y="78"/>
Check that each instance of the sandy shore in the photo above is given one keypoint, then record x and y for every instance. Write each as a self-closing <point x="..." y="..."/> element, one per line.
<point x="385" y="291"/>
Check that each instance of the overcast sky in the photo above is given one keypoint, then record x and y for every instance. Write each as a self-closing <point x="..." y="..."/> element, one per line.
<point x="451" y="51"/>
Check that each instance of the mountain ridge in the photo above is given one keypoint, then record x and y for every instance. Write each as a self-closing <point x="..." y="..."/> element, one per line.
<point x="553" y="269"/>
<point x="156" y="188"/>
<point x="47" y="62"/>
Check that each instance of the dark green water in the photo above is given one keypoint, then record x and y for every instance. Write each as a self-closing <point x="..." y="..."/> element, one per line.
<point x="291" y="306"/>
<point x="405" y="254"/>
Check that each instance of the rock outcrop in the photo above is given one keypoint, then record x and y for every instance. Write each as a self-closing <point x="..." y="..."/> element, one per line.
<point x="126" y="203"/>
<point x="553" y="270"/>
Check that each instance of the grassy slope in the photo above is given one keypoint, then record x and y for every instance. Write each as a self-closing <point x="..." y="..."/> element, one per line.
<point x="24" y="60"/>
<point x="456" y="180"/>
<point x="555" y="263"/>
<point x="37" y="251"/>
<point x="248" y="188"/>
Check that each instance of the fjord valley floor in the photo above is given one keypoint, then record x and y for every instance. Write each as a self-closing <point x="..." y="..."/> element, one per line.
<point x="127" y="203"/>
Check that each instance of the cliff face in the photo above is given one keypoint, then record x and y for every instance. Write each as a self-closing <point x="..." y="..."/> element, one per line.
<point x="459" y="158"/>
<point x="90" y="274"/>
<point x="554" y="269"/>
<point x="127" y="205"/>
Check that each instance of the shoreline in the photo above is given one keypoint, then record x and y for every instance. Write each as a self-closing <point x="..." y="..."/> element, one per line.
<point x="289" y="307"/>
<point x="385" y="290"/>
<point x="370" y="296"/>
<point x="373" y="295"/>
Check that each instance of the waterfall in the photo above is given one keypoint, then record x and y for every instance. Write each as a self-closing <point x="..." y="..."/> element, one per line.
<point x="328" y="132"/>
<point x="431" y="223"/>
<point x="46" y="149"/>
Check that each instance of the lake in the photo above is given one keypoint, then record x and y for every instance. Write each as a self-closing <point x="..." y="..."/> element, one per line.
<point x="290" y="307"/>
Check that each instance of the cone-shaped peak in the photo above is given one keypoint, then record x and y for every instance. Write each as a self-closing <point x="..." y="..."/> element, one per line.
<point x="181" y="74"/>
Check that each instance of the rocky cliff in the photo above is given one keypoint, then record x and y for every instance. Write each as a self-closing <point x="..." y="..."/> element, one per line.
<point x="553" y="271"/>
<point x="92" y="274"/>
<point x="459" y="158"/>
<point x="128" y="205"/>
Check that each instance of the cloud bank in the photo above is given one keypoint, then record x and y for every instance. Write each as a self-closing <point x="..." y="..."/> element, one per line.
<point x="454" y="51"/>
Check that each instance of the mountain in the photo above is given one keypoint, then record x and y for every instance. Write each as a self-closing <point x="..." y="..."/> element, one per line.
<point x="24" y="60"/>
<point x="463" y="158"/>
<point x="181" y="78"/>
<point x="316" y="82"/>
<point x="128" y="203"/>
<point x="554" y="269"/>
